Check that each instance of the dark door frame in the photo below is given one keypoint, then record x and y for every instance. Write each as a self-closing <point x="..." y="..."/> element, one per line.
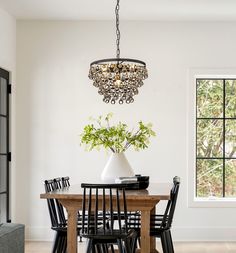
<point x="6" y="75"/>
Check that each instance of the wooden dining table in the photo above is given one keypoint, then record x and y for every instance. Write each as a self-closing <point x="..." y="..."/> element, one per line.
<point x="144" y="201"/>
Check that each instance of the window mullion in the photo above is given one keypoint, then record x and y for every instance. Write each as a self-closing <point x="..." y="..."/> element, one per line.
<point x="223" y="138"/>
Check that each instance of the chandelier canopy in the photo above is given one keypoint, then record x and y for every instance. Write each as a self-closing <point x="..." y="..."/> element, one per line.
<point x="118" y="79"/>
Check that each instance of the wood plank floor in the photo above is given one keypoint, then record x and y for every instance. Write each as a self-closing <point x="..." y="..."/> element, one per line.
<point x="180" y="247"/>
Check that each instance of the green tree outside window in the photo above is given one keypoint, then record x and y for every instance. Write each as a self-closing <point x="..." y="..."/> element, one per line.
<point x="216" y="138"/>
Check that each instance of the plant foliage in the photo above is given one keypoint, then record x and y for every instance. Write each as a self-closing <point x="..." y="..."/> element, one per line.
<point x="117" y="138"/>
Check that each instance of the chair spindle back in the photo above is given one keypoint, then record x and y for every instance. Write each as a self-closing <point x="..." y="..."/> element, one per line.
<point x="99" y="203"/>
<point x="170" y="208"/>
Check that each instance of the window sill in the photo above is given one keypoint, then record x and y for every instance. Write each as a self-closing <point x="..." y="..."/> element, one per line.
<point x="213" y="202"/>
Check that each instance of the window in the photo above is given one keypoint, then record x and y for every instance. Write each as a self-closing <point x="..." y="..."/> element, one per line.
<point x="215" y="138"/>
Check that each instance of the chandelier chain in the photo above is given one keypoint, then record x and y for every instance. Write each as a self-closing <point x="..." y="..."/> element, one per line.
<point x="117" y="29"/>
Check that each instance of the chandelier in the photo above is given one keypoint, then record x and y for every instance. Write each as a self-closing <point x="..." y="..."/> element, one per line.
<point x="118" y="79"/>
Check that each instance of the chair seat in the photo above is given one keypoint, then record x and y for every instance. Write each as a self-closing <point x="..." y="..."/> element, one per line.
<point x="156" y="221"/>
<point x="109" y="234"/>
<point x="63" y="229"/>
<point x="158" y="231"/>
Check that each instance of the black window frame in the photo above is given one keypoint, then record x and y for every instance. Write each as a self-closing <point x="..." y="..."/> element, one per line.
<point x="223" y="118"/>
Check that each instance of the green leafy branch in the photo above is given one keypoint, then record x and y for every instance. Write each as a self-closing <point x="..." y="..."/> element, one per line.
<point x="117" y="138"/>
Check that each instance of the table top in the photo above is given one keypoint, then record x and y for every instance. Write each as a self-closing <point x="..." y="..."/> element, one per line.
<point x="155" y="191"/>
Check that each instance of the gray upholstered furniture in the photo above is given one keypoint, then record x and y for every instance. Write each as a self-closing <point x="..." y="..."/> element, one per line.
<point x="12" y="237"/>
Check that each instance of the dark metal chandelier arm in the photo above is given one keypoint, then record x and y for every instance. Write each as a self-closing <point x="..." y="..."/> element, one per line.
<point x="117" y="29"/>
<point x="120" y="60"/>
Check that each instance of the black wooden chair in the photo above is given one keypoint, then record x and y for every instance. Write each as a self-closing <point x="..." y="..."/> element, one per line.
<point x="59" y="183"/>
<point x="58" y="218"/>
<point x="60" y="240"/>
<point x="99" y="223"/>
<point x="160" y="225"/>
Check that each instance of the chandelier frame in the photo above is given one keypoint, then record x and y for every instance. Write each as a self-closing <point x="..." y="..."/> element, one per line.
<point x="117" y="60"/>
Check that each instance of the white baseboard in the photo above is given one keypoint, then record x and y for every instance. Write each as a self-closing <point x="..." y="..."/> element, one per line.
<point x="204" y="233"/>
<point x="178" y="234"/>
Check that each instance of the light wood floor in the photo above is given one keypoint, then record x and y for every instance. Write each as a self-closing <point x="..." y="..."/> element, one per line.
<point x="180" y="247"/>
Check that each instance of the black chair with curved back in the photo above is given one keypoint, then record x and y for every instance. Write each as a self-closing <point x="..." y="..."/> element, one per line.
<point x="160" y="225"/>
<point x="100" y="225"/>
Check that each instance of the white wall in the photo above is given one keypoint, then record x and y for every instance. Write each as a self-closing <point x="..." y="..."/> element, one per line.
<point x="7" y="41"/>
<point x="55" y="99"/>
<point x="8" y="62"/>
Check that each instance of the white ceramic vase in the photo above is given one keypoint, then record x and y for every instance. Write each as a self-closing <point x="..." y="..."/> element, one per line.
<point x="117" y="166"/>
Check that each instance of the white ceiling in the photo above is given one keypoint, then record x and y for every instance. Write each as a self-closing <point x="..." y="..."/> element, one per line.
<point x="199" y="10"/>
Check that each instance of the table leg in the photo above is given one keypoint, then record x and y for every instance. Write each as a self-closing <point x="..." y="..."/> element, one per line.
<point x="152" y="238"/>
<point x="145" y="228"/>
<point x="148" y="243"/>
<point x="72" y="230"/>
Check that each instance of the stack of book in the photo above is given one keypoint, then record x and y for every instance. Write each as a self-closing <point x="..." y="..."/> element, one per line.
<point x="137" y="182"/>
<point x="126" y="180"/>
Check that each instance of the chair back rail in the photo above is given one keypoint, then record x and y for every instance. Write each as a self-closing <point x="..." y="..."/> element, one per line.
<point x="65" y="181"/>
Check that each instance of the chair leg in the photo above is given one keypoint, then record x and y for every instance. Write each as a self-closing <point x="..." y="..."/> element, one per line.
<point x="93" y="247"/>
<point x="164" y="242"/>
<point x="64" y="243"/>
<point x="98" y="248"/>
<point x="102" y="248"/>
<point x="134" y="242"/>
<point x="60" y="243"/>
<point x="127" y="246"/>
<point x="170" y="242"/>
<point x="139" y="242"/>
<point x="120" y="246"/>
<point x="112" y="248"/>
<point x="89" y="246"/>
<point x="55" y="243"/>
<point x="106" y="248"/>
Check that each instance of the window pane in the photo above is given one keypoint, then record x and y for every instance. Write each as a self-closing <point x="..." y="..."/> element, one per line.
<point x="3" y="213"/>
<point x="209" y="98"/>
<point x="209" y="177"/>
<point x="3" y="168"/>
<point x="230" y="178"/>
<point x="3" y="96"/>
<point x="230" y="98"/>
<point x="230" y="138"/>
<point x="209" y="138"/>
<point x="3" y="135"/>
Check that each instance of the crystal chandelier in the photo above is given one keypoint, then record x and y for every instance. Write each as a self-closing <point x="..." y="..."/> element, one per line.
<point x="118" y="79"/>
